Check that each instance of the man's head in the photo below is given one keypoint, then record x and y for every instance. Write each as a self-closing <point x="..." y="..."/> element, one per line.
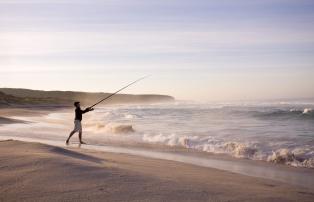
<point x="77" y="104"/>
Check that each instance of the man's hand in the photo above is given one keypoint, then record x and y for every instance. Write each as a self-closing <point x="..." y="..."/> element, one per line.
<point x="90" y="109"/>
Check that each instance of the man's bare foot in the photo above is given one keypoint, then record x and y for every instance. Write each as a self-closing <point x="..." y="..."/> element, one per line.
<point x="82" y="142"/>
<point x="67" y="142"/>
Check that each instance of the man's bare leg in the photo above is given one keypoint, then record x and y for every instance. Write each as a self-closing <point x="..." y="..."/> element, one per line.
<point x="71" y="134"/>
<point x="80" y="137"/>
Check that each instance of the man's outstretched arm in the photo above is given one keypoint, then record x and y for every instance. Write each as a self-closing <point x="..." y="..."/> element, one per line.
<point x="88" y="109"/>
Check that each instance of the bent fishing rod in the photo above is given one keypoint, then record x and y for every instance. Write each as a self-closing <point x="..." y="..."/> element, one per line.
<point x="109" y="96"/>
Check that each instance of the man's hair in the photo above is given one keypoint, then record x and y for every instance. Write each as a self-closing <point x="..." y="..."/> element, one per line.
<point x="76" y="103"/>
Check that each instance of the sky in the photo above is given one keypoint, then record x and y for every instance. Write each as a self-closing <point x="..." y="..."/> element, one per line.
<point x="195" y="50"/>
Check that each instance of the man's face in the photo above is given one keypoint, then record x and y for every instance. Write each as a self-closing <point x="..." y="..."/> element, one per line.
<point x="78" y="105"/>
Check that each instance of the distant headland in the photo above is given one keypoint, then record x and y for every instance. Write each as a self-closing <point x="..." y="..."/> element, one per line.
<point x="20" y="97"/>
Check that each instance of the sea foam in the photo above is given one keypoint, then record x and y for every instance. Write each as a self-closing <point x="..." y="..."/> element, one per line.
<point x="299" y="157"/>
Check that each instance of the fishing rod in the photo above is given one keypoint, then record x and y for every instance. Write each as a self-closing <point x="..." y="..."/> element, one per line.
<point x="109" y="96"/>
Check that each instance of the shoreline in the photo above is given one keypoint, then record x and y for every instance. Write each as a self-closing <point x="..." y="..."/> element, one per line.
<point x="302" y="177"/>
<point x="52" y="173"/>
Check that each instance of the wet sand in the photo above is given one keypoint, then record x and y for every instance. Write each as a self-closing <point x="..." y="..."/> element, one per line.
<point x="4" y="120"/>
<point x="18" y="115"/>
<point x="29" y="111"/>
<point x="38" y="172"/>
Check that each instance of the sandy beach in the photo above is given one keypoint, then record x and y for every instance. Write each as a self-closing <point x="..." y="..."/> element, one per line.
<point x="38" y="172"/>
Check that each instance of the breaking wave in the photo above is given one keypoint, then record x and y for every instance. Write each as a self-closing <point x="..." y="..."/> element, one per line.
<point x="306" y="113"/>
<point x="131" y="116"/>
<point x="298" y="157"/>
<point x="114" y="128"/>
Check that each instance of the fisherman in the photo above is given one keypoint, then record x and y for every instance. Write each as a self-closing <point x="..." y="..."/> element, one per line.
<point x="77" y="121"/>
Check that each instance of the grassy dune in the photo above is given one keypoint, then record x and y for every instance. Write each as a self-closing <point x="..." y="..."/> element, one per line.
<point x="14" y="96"/>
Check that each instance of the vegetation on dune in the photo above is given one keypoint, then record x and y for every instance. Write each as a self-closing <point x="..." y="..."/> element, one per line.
<point x="14" y="96"/>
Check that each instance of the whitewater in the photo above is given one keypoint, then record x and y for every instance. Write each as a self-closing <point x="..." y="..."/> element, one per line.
<point x="274" y="132"/>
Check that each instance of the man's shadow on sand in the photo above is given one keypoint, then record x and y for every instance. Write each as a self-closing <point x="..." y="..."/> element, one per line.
<point x="76" y="155"/>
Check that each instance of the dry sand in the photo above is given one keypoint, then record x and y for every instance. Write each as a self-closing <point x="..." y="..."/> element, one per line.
<point x="37" y="172"/>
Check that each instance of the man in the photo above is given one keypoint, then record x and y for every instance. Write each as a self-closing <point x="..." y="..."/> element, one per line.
<point x="77" y="121"/>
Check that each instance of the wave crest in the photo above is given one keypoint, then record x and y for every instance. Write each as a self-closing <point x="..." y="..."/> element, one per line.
<point x="114" y="128"/>
<point x="170" y="140"/>
<point x="306" y="113"/>
<point x="281" y="156"/>
<point x="294" y="158"/>
<point x="298" y="157"/>
<point x="240" y="150"/>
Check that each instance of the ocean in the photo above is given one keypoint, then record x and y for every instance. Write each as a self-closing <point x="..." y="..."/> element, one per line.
<point x="274" y="132"/>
